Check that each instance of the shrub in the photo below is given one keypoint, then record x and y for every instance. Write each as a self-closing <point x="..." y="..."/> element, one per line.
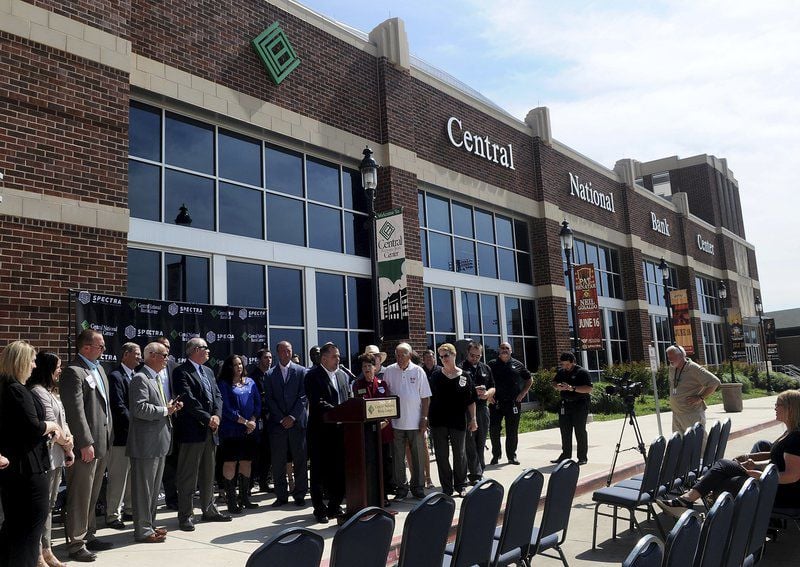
<point x="542" y="389"/>
<point x="605" y="403"/>
<point x="779" y="381"/>
<point x="640" y="372"/>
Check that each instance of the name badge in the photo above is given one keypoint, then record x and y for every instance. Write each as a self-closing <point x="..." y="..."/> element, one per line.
<point x="381" y="390"/>
<point x="462" y="381"/>
<point x="674" y="391"/>
<point x="362" y="391"/>
<point x="91" y="381"/>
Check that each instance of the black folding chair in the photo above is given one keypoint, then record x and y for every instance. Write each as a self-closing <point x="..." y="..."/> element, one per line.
<point x="552" y="532"/>
<point x="669" y="471"/>
<point x="476" y="525"/>
<point x="648" y="552"/>
<point x="513" y="539"/>
<point x="697" y="454"/>
<point x="363" y="540"/>
<point x="299" y="547"/>
<point x="724" y="434"/>
<point x="744" y="511"/>
<point x="711" y="447"/>
<point x="767" y="488"/>
<point x="684" y="465"/>
<point x="682" y="540"/>
<point x="714" y="535"/>
<point x="642" y="499"/>
<point x="425" y="531"/>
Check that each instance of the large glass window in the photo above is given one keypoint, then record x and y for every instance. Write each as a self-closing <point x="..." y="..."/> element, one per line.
<point x="144" y="273"/>
<point x="460" y="238"/>
<point x="440" y="321"/>
<point x="617" y="336"/>
<point x="712" y="343"/>
<point x="606" y="266"/>
<point x="521" y="330"/>
<point x="481" y="320"/>
<point x="286" y="315"/>
<point x="660" y="325"/>
<point x="654" y="282"/>
<point x="187" y="278"/>
<point x="707" y="296"/>
<point x="344" y="315"/>
<point x="239" y="185"/>
<point x="246" y="286"/>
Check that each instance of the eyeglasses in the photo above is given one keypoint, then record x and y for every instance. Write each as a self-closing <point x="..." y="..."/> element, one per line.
<point x="445" y="355"/>
<point x="101" y="347"/>
<point x="203" y="348"/>
<point x="161" y="354"/>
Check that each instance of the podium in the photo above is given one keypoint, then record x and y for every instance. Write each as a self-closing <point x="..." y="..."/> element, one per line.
<point x="360" y="418"/>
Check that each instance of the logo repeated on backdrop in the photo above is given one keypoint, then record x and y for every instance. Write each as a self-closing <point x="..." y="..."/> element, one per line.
<point x="276" y="53"/>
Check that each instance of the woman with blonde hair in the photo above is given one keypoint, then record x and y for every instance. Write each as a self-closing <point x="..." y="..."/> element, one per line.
<point x="730" y="474"/>
<point x="24" y="438"/>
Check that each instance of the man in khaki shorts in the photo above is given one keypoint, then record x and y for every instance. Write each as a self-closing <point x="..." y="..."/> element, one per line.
<point x="689" y="386"/>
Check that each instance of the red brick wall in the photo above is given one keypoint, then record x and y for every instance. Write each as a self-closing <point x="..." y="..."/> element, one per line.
<point x="335" y="83"/>
<point x="640" y="209"/>
<point x="111" y="16"/>
<point x="697" y="181"/>
<point x="40" y="262"/>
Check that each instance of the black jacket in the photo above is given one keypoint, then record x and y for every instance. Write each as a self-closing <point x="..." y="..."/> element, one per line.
<point x="118" y="388"/>
<point x="22" y="428"/>
<point x="191" y="426"/>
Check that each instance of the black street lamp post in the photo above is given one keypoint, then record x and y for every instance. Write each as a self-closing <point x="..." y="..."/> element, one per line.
<point x="664" y="268"/>
<point x="566" y="237"/>
<point x="369" y="181"/>
<point x="763" y="338"/>
<point x="722" y="292"/>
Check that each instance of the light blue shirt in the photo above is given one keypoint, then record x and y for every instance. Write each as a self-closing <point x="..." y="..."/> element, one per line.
<point x="98" y="380"/>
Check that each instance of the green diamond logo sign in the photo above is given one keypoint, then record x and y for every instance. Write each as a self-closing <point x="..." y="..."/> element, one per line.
<point x="245" y="336"/>
<point x="277" y="54"/>
<point x="133" y="304"/>
<point x="214" y="313"/>
<point x="85" y="325"/>
<point x="174" y="335"/>
<point x="387" y="230"/>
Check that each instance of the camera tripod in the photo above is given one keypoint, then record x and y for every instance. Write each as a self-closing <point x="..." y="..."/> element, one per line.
<point x="630" y="417"/>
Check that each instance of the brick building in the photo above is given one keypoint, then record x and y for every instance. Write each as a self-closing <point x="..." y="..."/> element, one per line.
<point x="115" y="114"/>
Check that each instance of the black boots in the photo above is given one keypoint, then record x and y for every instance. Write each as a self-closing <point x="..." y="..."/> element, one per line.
<point x="244" y="493"/>
<point x="230" y="496"/>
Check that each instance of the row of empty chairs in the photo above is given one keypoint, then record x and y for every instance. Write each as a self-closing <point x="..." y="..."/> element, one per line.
<point x="670" y="467"/>
<point x="733" y="533"/>
<point x="365" y="539"/>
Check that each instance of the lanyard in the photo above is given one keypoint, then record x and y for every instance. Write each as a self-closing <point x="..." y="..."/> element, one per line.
<point x="678" y="374"/>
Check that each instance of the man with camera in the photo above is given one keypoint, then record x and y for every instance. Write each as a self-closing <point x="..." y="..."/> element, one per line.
<point x="575" y="386"/>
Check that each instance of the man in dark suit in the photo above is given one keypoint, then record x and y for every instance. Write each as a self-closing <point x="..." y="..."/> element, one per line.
<point x="149" y="441"/>
<point x="196" y="429"/>
<point x="326" y="388"/>
<point x="118" y="487"/>
<point x="85" y="394"/>
<point x="286" y="424"/>
<point x="261" y="466"/>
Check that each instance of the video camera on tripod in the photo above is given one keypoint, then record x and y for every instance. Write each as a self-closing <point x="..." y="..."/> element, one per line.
<point x="624" y="388"/>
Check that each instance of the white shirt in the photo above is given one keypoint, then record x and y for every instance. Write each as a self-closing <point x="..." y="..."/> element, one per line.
<point x="154" y="376"/>
<point x="332" y="377"/>
<point x="128" y="371"/>
<point x="284" y="372"/>
<point x="411" y="386"/>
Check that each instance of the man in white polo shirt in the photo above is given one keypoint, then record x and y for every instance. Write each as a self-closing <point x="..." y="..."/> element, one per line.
<point x="408" y="381"/>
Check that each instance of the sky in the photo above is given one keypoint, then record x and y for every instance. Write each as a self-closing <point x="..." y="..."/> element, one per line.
<point x="641" y="80"/>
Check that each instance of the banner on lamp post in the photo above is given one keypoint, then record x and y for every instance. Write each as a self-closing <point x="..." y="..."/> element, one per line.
<point x="392" y="284"/>
<point x="771" y="340"/>
<point x="590" y="328"/>
<point x="681" y="321"/>
<point x="738" y="350"/>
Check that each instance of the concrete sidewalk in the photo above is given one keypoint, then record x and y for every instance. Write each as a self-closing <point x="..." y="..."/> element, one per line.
<point x="230" y="544"/>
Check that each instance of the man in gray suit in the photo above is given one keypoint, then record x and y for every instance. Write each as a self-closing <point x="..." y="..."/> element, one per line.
<point x="196" y="428"/>
<point x="84" y="393"/>
<point x="149" y="439"/>
<point x="285" y="397"/>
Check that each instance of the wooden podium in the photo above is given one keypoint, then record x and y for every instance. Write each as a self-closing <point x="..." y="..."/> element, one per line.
<point x="360" y="418"/>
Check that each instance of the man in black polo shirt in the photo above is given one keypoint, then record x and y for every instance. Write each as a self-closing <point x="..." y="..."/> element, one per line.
<point x="512" y="382"/>
<point x="481" y="376"/>
<point x="575" y="386"/>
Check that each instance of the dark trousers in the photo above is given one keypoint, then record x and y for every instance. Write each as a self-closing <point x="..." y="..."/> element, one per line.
<point x="443" y="439"/>
<point x="326" y="449"/>
<point x="263" y="461"/>
<point x="572" y="417"/>
<point x="510" y="412"/>
<point x="476" y="443"/>
<point x="282" y="443"/>
<point x="724" y="475"/>
<point x="26" y="504"/>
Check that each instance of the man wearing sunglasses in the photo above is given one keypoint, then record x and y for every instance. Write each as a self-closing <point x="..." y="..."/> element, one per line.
<point x="512" y="382"/>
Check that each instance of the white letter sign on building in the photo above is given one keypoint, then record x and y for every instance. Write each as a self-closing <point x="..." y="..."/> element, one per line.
<point x="659" y="225"/>
<point x="705" y="245"/>
<point x="479" y="145"/>
<point x="585" y="192"/>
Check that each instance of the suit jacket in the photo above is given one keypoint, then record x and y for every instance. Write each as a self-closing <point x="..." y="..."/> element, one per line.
<point x="321" y="395"/>
<point x="191" y="425"/>
<point x="284" y="399"/>
<point x="119" y="385"/>
<point x="85" y="407"/>
<point x="150" y="430"/>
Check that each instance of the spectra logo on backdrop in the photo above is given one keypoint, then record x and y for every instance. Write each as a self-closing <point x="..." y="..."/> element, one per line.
<point x="121" y="319"/>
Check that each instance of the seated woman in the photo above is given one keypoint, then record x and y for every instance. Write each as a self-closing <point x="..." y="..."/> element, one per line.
<point x="729" y="475"/>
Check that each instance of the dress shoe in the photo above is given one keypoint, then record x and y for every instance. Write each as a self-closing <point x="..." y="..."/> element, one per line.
<point x="583" y="461"/>
<point x="115" y="524"/>
<point x="129" y="517"/>
<point x="153" y="538"/>
<point x="170" y="506"/>
<point x="559" y="459"/>
<point x="299" y="501"/>
<point x="97" y="545"/>
<point x="513" y="461"/>
<point x="83" y="555"/>
<point x="161" y="531"/>
<point x="494" y="460"/>
<point x="279" y="502"/>
<point x="334" y="512"/>
<point x="321" y="518"/>
<point x="401" y="494"/>
<point x="187" y="525"/>
<point x="218" y="517"/>
<point x="418" y="493"/>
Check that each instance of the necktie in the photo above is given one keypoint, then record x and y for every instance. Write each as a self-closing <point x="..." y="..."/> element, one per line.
<point x="206" y="383"/>
<point x="161" y="390"/>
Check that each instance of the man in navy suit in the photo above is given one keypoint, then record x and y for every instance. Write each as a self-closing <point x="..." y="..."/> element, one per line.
<point x="326" y="388"/>
<point x="285" y="397"/>
<point x="118" y="488"/>
<point x="196" y="428"/>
